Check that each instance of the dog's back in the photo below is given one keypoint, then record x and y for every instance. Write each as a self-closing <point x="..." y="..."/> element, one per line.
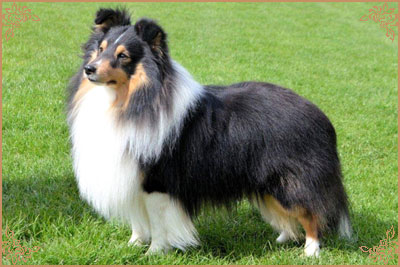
<point x="151" y="145"/>
<point x="255" y="139"/>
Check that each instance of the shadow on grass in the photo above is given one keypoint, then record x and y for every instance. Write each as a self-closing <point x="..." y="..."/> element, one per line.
<point x="259" y="238"/>
<point x="242" y="233"/>
<point x="35" y="202"/>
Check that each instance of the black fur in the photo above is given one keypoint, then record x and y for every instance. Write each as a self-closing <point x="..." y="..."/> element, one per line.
<point x="253" y="138"/>
<point x="238" y="141"/>
<point x="156" y="38"/>
<point x="107" y="18"/>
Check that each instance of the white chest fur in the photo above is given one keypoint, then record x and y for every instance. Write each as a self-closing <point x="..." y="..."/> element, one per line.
<point x="108" y="177"/>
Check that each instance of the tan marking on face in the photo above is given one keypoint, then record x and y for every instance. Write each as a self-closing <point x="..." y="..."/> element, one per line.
<point x="121" y="49"/>
<point x="103" y="45"/>
<point x="106" y="73"/>
<point x="124" y="92"/>
<point x="137" y="81"/>
<point x="306" y="219"/>
<point x="93" y="56"/>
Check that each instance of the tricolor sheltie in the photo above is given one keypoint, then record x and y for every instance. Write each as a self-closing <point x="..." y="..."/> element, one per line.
<point x="151" y="146"/>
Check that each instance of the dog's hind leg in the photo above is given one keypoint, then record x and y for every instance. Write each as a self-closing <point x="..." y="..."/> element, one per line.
<point x="278" y="217"/>
<point x="170" y="225"/>
<point x="286" y="221"/>
<point x="283" y="237"/>
<point x="310" y="225"/>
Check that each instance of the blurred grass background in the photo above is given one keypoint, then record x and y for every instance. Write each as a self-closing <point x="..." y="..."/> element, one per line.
<point x="320" y="50"/>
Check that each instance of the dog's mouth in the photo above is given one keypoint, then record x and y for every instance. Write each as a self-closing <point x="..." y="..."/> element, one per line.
<point x="92" y="79"/>
<point x="95" y="79"/>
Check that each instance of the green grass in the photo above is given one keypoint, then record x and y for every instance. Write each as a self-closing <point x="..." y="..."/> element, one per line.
<point x="322" y="51"/>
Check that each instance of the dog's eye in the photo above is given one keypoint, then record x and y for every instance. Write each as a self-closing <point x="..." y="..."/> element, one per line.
<point x="100" y="49"/>
<point x="122" y="55"/>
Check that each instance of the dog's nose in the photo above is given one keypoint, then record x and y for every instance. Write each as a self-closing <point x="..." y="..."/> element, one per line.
<point x="90" y="69"/>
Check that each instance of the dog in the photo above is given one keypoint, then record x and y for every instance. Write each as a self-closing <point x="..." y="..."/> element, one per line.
<point x="151" y="146"/>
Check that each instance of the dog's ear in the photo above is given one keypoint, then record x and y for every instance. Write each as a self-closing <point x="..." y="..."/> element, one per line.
<point x="150" y="32"/>
<point x="107" y="18"/>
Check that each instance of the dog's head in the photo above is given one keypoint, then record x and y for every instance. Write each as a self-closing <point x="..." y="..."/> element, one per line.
<point x="115" y="52"/>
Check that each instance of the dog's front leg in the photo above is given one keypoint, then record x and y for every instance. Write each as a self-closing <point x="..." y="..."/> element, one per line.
<point x="170" y="226"/>
<point x="139" y="220"/>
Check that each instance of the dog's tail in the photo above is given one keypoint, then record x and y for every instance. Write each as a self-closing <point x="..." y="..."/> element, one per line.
<point x="334" y="209"/>
<point x="344" y="228"/>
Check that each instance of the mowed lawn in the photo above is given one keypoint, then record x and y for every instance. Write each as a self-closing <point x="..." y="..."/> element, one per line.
<point x="320" y="50"/>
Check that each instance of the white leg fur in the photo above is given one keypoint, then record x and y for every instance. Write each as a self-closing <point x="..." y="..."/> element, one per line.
<point x="283" y="237"/>
<point x="136" y="239"/>
<point x="140" y="224"/>
<point x="312" y="247"/>
<point x="170" y="226"/>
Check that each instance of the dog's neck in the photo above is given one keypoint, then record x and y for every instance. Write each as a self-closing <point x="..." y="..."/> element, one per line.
<point x="150" y="135"/>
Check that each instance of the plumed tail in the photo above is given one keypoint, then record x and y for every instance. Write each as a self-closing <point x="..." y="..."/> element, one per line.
<point x="344" y="228"/>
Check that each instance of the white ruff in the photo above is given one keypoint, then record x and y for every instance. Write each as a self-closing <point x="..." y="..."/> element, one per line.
<point x="108" y="177"/>
<point x="106" y="156"/>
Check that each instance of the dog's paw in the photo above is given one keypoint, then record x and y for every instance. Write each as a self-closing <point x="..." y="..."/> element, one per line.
<point x="136" y="240"/>
<point x="283" y="237"/>
<point x="155" y="249"/>
<point x="312" y="248"/>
